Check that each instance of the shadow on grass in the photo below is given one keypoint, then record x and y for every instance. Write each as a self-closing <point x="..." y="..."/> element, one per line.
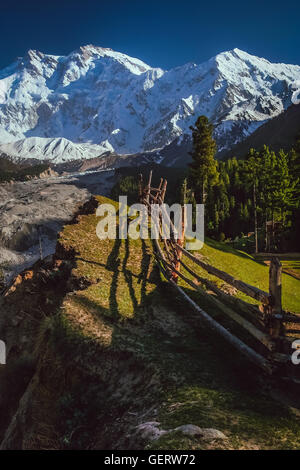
<point x="117" y="263"/>
<point x="225" y="248"/>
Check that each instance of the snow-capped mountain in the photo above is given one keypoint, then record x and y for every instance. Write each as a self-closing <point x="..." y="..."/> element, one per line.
<point x="97" y="100"/>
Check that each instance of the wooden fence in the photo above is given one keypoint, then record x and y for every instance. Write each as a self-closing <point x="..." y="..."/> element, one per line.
<point x="266" y="322"/>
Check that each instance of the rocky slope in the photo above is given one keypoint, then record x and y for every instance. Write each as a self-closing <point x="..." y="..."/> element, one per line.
<point x="39" y="208"/>
<point x="96" y="100"/>
<point x="280" y="132"/>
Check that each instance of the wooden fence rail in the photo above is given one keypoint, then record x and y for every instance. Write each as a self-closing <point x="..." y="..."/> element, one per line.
<point x="264" y="322"/>
<point x="251" y="291"/>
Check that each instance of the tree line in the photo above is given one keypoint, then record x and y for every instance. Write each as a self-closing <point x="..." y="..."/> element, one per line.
<point x="243" y="196"/>
<point x="240" y="195"/>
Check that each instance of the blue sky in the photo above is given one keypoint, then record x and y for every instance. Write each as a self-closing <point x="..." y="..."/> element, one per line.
<point x="163" y="33"/>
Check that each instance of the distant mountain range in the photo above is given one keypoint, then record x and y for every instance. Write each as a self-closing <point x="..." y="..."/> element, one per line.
<point x="96" y="101"/>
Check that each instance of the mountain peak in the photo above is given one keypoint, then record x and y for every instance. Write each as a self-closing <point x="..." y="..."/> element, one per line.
<point x="236" y="54"/>
<point x="240" y="52"/>
<point x="32" y="54"/>
<point x="102" y="100"/>
<point x="91" y="51"/>
<point x="237" y="63"/>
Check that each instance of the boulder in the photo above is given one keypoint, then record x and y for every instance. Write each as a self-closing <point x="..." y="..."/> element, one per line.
<point x="206" y="434"/>
<point x="150" y="431"/>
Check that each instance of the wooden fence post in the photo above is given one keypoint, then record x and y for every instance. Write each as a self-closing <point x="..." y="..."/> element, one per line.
<point x="275" y="288"/>
<point x="180" y="242"/>
<point x="148" y="188"/>
<point x="158" y="194"/>
<point x="163" y="192"/>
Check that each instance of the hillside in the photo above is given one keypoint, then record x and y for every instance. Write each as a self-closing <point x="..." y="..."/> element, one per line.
<point x="110" y="357"/>
<point x="96" y="101"/>
<point x="278" y="133"/>
<point x="12" y="171"/>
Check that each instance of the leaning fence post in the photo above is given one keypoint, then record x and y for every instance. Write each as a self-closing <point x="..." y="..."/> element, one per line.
<point x="163" y="191"/>
<point x="148" y="187"/>
<point x="275" y="289"/>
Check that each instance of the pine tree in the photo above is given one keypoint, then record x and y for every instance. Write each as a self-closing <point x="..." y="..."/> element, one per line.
<point x="294" y="167"/>
<point x="203" y="169"/>
<point x="278" y="186"/>
<point x="184" y="192"/>
<point x="253" y="172"/>
<point x="285" y="186"/>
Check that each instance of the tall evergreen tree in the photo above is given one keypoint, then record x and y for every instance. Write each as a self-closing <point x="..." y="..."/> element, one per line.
<point x="203" y="169"/>
<point x="277" y="183"/>
<point x="253" y="171"/>
<point x="294" y="167"/>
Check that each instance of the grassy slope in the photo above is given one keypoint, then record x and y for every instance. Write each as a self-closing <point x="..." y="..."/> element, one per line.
<point x="243" y="266"/>
<point x="119" y="271"/>
<point x="291" y="267"/>
<point x="202" y="380"/>
<point x="290" y="262"/>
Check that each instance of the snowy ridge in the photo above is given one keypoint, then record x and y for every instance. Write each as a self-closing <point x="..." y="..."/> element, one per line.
<point x="96" y="100"/>
<point x="58" y="150"/>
